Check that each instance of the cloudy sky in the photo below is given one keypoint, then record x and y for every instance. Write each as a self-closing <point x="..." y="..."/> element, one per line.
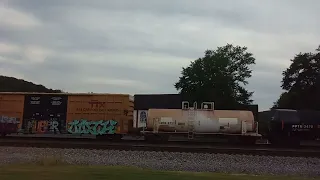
<point x="139" y="46"/>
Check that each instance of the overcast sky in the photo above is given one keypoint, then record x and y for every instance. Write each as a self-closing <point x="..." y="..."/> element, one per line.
<point x="140" y="46"/>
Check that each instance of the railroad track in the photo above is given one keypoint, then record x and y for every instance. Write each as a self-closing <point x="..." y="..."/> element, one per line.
<point x="135" y="146"/>
<point x="141" y="142"/>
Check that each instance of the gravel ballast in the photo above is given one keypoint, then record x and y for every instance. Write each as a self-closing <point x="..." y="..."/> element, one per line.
<point x="248" y="164"/>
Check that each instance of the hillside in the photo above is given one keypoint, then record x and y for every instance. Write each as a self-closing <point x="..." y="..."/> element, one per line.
<point x="11" y="84"/>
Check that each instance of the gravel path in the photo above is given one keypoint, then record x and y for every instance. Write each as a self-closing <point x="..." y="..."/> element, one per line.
<point x="170" y="161"/>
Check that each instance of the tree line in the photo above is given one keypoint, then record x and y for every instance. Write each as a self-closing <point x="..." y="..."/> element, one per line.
<point x="11" y="84"/>
<point x="221" y="75"/>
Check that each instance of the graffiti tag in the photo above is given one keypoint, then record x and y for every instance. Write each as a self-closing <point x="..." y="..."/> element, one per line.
<point x="92" y="127"/>
<point x="6" y="119"/>
<point x="44" y="126"/>
<point x="8" y="124"/>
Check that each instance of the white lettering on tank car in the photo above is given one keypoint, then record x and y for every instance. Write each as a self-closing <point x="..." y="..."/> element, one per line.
<point x="167" y="121"/>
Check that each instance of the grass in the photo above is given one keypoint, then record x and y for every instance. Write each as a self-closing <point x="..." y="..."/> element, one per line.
<point x="51" y="168"/>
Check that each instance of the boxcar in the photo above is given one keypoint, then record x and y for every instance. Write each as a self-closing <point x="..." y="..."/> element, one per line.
<point x="11" y="112"/>
<point x="99" y="114"/>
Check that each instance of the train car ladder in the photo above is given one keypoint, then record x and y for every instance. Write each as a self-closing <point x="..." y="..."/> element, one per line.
<point x="191" y="120"/>
<point x="243" y="127"/>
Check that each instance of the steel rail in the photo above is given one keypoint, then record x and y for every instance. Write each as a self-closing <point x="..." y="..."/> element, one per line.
<point x="134" y="146"/>
<point x="171" y="142"/>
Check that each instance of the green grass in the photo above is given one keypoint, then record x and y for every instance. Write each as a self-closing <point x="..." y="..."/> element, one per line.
<point x="48" y="169"/>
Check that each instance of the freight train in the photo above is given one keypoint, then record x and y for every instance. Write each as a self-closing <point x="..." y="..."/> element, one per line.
<point x="45" y="113"/>
<point x="155" y="117"/>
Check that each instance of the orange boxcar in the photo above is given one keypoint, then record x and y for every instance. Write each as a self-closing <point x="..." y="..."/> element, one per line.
<point x="11" y="112"/>
<point x="99" y="114"/>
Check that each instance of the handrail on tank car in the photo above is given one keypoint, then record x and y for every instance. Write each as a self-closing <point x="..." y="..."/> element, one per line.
<point x="204" y="105"/>
<point x="207" y="106"/>
<point x="185" y="105"/>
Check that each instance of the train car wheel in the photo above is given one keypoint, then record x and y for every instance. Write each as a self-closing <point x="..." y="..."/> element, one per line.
<point x="247" y="140"/>
<point x="156" y="138"/>
<point x="285" y="141"/>
<point x="294" y="142"/>
<point x="164" y="138"/>
<point x="233" y="140"/>
<point x="149" y="137"/>
<point x="114" y="137"/>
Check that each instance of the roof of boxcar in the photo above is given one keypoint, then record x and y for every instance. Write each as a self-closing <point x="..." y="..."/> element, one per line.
<point x="157" y="101"/>
<point x="289" y="115"/>
<point x="27" y="93"/>
<point x="291" y="110"/>
<point x="156" y="94"/>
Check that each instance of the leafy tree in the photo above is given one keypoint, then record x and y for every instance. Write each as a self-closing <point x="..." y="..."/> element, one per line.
<point x="220" y="76"/>
<point x="301" y="81"/>
<point x="285" y="100"/>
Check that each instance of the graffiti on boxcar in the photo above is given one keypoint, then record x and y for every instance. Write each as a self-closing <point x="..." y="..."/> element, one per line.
<point x="43" y="126"/>
<point x="8" y="124"/>
<point x="92" y="127"/>
<point x="7" y="119"/>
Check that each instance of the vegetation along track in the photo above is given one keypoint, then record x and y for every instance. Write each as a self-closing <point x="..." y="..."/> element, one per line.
<point x="134" y="146"/>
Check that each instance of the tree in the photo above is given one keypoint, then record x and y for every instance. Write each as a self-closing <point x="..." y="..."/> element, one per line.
<point x="220" y="76"/>
<point x="301" y="82"/>
<point x="285" y="100"/>
<point x="11" y="84"/>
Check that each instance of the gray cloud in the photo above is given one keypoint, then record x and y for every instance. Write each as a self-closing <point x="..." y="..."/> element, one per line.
<point x="140" y="46"/>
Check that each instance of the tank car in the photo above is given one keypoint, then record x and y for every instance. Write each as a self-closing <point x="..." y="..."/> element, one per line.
<point x="236" y="125"/>
<point x="289" y="127"/>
